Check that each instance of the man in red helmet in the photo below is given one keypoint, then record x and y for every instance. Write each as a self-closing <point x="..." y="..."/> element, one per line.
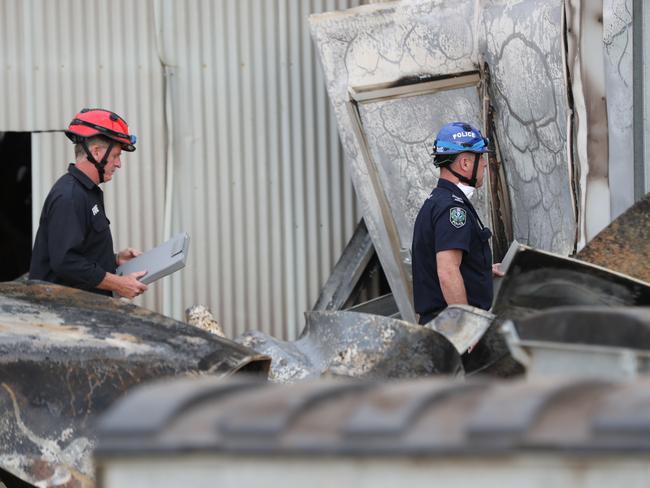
<point x="74" y="245"/>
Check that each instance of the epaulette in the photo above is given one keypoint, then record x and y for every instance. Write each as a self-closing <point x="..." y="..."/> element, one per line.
<point x="457" y="199"/>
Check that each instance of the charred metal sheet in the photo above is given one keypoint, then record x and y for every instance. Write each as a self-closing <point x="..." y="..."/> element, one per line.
<point x="624" y="246"/>
<point x="425" y="417"/>
<point x="463" y="325"/>
<point x="536" y="280"/>
<point x="358" y="345"/>
<point x="65" y="355"/>
<point x="600" y="326"/>
<point x="347" y="272"/>
<point x="586" y="341"/>
<point x="523" y="45"/>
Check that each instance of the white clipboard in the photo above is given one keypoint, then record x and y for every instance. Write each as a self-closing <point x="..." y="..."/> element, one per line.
<point x="160" y="261"/>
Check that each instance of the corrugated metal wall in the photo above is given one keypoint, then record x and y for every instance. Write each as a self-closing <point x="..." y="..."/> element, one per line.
<point x="236" y="139"/>
<point x="259" y="180"/>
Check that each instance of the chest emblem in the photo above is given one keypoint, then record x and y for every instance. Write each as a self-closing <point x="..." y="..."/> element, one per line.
<point x="95" y="210"/>
<point x="457" y="217"/>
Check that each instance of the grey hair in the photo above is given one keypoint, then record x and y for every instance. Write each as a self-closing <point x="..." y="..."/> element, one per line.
<point x="95" y="140"/>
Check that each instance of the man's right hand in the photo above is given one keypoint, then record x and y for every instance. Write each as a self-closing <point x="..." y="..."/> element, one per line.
<point x="127" y="286"/>
<point x="130" y="286"/>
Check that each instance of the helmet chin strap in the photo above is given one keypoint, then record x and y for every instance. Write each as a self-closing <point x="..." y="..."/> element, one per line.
<point x="101" y="164"/>
<point x="470" y="181"/>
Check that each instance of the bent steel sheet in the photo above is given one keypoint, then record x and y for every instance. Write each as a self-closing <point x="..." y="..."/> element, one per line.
<point x="600" y="342"/>
<point x="535" y="281"/>
<point x="66" y="354"/>
<point x="463" y="325"/>
<point x="358" y="345"/>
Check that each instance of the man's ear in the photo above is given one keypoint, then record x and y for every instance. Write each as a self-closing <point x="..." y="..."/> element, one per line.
<point x="464" y="162"/>
<point x="97" y="151"/>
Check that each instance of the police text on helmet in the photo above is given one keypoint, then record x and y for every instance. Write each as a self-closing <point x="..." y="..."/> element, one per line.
<point x="463" y="134"/>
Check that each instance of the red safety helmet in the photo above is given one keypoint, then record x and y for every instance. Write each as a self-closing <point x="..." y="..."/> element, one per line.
<point x="92" y="122"/>
<point x="99" y="122"/>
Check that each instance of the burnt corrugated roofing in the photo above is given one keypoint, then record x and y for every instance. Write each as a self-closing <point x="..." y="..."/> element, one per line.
<point x="426" y="417"/>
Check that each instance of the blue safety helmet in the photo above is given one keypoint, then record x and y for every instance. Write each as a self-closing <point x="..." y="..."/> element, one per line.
<point x="456" y="138"/>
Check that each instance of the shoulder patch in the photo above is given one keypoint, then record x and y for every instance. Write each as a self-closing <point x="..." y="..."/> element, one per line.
<point x="457" y="217"/>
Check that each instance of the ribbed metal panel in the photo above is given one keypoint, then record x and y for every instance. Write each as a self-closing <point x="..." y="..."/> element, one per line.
<point x="259" y="180"/>
<point x="226" y="94"/>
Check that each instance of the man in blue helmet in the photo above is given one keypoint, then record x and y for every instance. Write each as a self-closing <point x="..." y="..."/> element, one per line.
<point x="452" y="259"/>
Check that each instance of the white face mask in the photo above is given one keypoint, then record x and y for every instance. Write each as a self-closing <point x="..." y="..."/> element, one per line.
<point x="466" y="189"/>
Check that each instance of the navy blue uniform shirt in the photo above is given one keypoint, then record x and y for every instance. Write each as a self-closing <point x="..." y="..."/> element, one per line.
<point x="73" y="245"/>
<point x="447" y="220"/>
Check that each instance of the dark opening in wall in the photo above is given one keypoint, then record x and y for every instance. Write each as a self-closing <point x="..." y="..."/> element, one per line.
<point x="15" y="204"/>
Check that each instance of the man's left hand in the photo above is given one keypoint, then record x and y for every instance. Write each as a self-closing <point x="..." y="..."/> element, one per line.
<point x="496" y="270"/>
<point x="126" y="255"/>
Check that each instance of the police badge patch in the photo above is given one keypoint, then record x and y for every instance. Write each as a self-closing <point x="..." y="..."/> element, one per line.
<point x="457" y="217"/>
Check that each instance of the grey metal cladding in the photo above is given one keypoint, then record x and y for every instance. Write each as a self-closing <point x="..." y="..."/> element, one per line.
<point x="523" y="45"/>
<point x="428" y="417"/>
<point x="617" y="51"/>
<point x="390" y="45"/>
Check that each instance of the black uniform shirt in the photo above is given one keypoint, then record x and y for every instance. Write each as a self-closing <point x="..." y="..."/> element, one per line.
<point x="447" y="220"/>
<point x="73" y="245"/>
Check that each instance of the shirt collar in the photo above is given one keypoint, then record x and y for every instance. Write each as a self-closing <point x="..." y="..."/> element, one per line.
<point x="442" y="183"/>
<point x="82" y="177"/>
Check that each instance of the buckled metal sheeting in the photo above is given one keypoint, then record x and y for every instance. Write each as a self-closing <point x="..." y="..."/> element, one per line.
<point x="535" y="281"/>
<point x="358" y="345"/>
<point x="463" y="325"/>
<point x="428" y="417"/>
<point x="65" y="355"/>
<point x="595" y="341"/>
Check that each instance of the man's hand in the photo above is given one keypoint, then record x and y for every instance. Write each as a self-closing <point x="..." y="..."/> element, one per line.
<point x="126" y="255"/>
<point x="126" y="286"/>
<point x="496" y="270"/>
<point x="129" y="286"/>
